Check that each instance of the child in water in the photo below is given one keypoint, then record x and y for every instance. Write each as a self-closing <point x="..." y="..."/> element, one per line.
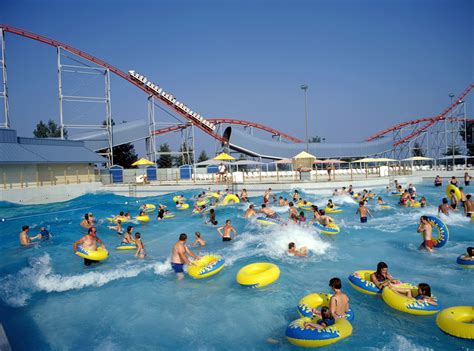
<point x="470" y="254"/>
<point x="212" y="217"/>
<point x="363" y="211"/>
<point x="423" y="202"/>
<point x="293" y="251"/>
<point x="302" y="218"/>
<point x="326" y="319"/>
<point x="424" y="294"/>
<point x="198" y="241"/>
<point x="117" y="227"/>
<point x="140" y="253"/>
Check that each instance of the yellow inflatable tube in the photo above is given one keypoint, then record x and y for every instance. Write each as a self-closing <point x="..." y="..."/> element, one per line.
<point x="257" y="275"/>
<point x="230" y="199"/>
<point x="457" y="321"/>
<point x="94" y="255"/>
<point x="457" y="193"/>
<point x="144" y="218"/>
<point x="182" y="207"/>
<point x="206" y="266"/>
<point x="408" y="304"/>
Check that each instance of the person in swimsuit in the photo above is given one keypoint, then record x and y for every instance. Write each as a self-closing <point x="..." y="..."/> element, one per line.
<point x="324" y="219"/>
<point x="179" y="256"/>
<point x="316" y="215"/>
<point x="226" y="230"/>
<point x="281" y="202"/>
<point x="296" y="196"/>
<point x="381" y="278"/>
<point x="424" y="293"/>
<point x="325" y="321"/>
<point x="423" y="202"/>
<point x="26" y="240"/>
<point x="198" y="240"/>
<point x="266" y="196"/>
<point x="267" y="211"/>
<point x="293" y="213"/>
<point x="293" y="251"/>
<point x="469" y="255"/>
<point x="426" y="230"/>
<point x="350" y="191"/>
<point x="128" y="238"/>
<point x="469" y="206"/>
<point x="363" y="211"/>
<point x="453" y="181"/>
<point x="444" y="207"/>
<point x="463" y="196"/>
<point x="467" y="179"/>
<point x="89" y="242"/>
<point x="454" y="199"/>
<point x="438" y="181"/>
<point x="140" y="253"/>
<point x="330" y="204"/>
<point x="380" y="201"/>
<point x="44" y="234"/>
<point x="301" y="217"/>
<point x="212" y="217"/>
<point x="339" y="302"/>
<point x="86" y="222"/>
<point x="250" y="212"/>
<point x="244" y="196"/>
<point x="117" y="227"/>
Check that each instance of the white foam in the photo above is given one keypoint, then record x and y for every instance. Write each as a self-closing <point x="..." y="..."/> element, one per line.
<point x="399" y="342"/>
<point x="17" y="289"/>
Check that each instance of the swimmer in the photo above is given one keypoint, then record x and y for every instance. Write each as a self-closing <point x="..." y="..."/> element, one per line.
<point x="316" y="215"/>
<point x="26" y="240"/>
<point x="470" y="254"/>
<point x="212" y="217"/>
<point x="363" y="211"/>
<point x="266" y="196"/>
<point x="140" y="253"/>
<point x="454" y="199"/>
<point x="281" y="202"/>
<point x="380" y="201"/>
<point x="268" y="211"/>
<point x="412" y="190"/>
<point x="330" y="204"/>
<point x="325" y="321"/>
<point x="179" y="256"/>
<point x="180" y="199"/>
<point x="127" y="238"/>
<point x="467" y="179"/>
<point x="89" y="242"/>
<point x="292" y="212"/>
<point x="438" y="181"/>
<point x="44" y="234"/>
<point x="117" y="227"/>
<point x="463" y="196"/>
<point x="426" y="230"/>
<point x="301" y="217"/>
<point x="339" y="302"/>
<point x="198" y="240"/>
<point x="324" y="219"/>
<point x="226" y="230"/>
<point x="285" y="202"/>
<point x="469" y="206"/>
<point x="381" y="278"/>
<point x="424" y="293"/>
<point x="296" y="196"/>
<point x="444" y="207"/>
<point x="293" y="251"/>
<point x="423" y="202"/>
<point x="250" y="212"/>
<point x="350" y="191"/>
<point x="85" y="222"/>
<point x="335" y="192"/>
<point x="453" y="181"/>
<point x="244" y="196"/>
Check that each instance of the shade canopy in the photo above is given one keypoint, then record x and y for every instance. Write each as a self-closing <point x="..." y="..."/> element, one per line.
<point x="329" y="161"/>
<point x="303" y="154"/>
<point x="284" y="161"/>
<point x="371" y="159"/>
<point x="247" y="162"/>
<point x="417" y="158"/>
<point x="456" y="157"/>
<point x="143" y="162"/>
<point x="224" y="157"/>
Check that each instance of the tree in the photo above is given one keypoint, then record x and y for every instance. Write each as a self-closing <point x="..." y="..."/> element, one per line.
<point x="203" y="156"/>
<point x="452" y="150"/>
<point x="125" y="155"/>
<point x="185" y="157"/>
<point x="165" y="160"/>
<point x="417" y="150"/>
<point x="469" y="133"/>
<point x="50" y="130"/>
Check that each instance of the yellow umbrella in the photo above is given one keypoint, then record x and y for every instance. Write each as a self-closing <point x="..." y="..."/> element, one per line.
<point x="143" y="162"/>
<point x="224" y="157"/>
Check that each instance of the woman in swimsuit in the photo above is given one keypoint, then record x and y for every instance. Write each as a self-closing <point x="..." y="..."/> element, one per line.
<point x="381" y="278"/>
<point x="140" y="253"/>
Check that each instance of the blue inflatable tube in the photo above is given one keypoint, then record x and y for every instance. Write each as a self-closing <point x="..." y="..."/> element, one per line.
<point x="463" y="262"/>
<point x="331" y="230"/>
<point x="443" y="232"/>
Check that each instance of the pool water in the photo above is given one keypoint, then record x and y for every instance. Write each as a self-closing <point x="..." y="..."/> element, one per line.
<point x="50" y="300"/>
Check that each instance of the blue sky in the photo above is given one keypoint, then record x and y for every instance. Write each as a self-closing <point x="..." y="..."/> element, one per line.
<point x="368" y="64"/>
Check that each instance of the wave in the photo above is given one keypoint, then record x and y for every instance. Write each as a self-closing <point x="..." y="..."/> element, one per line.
<point x="16" y="289"/>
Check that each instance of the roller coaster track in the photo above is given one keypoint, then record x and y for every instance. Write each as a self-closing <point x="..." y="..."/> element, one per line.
<point x="431" y="121"/>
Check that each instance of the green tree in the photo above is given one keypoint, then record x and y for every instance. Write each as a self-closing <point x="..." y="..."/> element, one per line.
<point x="203" y="156"/>
<point x="470" y="133"/>
<point x="165" y="161"/>
<point x="452" y="150"/>
<point x="417" y="150"/>
<point x="125" y="155"/>
<point x="185" y="157"/>
<point x="49" y="130"/>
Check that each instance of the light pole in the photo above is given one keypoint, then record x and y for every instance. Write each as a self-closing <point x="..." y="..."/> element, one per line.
<point x="452" y="132"/>
<point x="304" y="87"/>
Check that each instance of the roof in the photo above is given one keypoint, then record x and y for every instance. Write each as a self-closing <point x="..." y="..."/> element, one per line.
<point x="18" y="150"/>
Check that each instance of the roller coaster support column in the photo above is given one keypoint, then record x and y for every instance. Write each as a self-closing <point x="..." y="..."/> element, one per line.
<point x="4" y="92"/>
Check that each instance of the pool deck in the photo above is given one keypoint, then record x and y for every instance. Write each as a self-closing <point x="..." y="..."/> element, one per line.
<point x="59" y="193"/>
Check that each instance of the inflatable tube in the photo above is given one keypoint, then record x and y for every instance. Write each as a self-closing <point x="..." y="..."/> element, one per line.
<point x="214" y="195"/>
<point x="257" y="275"/>
<point x="316" y="300"/>
<point x="142" y="218"/>
<point x="443" y="231"/>
<point x="94" y="255"/>
<point x="148" y="208"/>
<point x="465" y="263"/>
<point x="409" y="305"/>
<point x="297" y="334"/>
<point x="268" y="221"/>
<point x="332" y="210"/>
<point x="230" y="199"/>
<point x="168" y="215"/>
<point x="121" y="218"/>
<point x="360" y="280"/>
<point x="331" y="229"/>
<point x="124" y="246"/>
<point x="396" y="193"/>
<point x="303" y="205"/>
<point x="415" y="204"/>
<point x="182" y="207"/>
<point x="457" y="193"/>
<point x="385" y="207"/>
<point x="206" y="266"/>
<point x="177" y="198"/>
<point x="457" y="321"/>
<point x="202" y="202"/>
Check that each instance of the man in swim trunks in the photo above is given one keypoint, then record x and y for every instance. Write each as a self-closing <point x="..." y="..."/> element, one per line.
<point x="293" y="213"/>
<point x="179" y="256"/>
<point x="469" y="206"/>
<point x="293" y="251"/>
<point x="26" y="240"/>
<point x="250" y="212"/>
<point x="444" y="207"/>
<point x="339" y="302"/>
<point x="454" y="199"/>
<point x="467" y="179"/>
<point x="89" y="242"/>
<point x="225" y="231"/>
<point x="426" y="230"/>
<point x="324" y="219"/>
<point x="266" y="196"/>
<point x="363" y="211"/>
<point x="268" y="211"/>
<point x="438" y="181"/>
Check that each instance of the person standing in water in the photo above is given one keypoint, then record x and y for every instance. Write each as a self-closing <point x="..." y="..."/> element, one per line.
<point x="425" y="229"/>
<point x="26" y="240"/>
<point x="89" y="242"/>
<point x="179" y="256"/>
<point x="226" y="230"/>
<point x="339" y="302"/>
<point x="250" y="212"/>
<point x="363" y="211"/>
<point x="140" y="253"/>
